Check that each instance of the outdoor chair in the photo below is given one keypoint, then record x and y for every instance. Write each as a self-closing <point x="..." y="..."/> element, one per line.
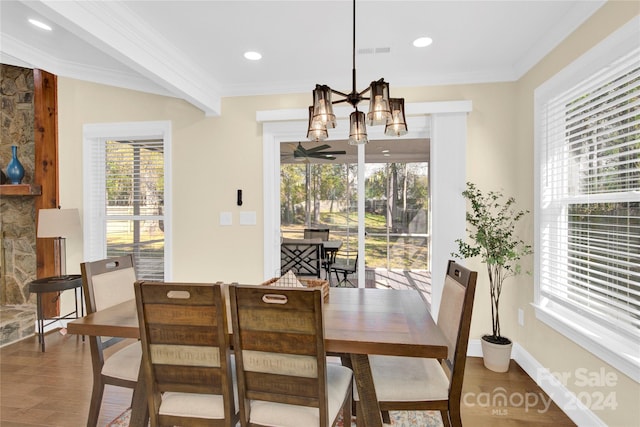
<point x="317" y="233"/>
<point x="302" y="256"/>
<point x="105" y="283"/>
<point x="188" y="368"/>
<point x="345" y="264"/>
<point x="284" y="379"/>
<point x="418" y="384"/>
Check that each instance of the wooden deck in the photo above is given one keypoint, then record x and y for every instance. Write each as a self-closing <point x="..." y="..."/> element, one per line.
<point x="397" y="279"/>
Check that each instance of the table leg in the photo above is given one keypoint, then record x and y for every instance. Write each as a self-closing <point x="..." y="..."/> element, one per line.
<point x="40" y="321"/>
<point x="366" y="390"/>
<point x="139" y="406"/>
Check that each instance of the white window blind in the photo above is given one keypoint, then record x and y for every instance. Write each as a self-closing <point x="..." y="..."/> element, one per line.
<point x="134" y="220"/>
<point x="126" y="201"/>
<point x="589" y="254"/>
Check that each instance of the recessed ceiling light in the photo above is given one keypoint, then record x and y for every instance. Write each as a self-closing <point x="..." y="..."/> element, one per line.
<point x="385" y="151"/>
<point x="40" y="24"/>
<point x="387" y="155"/>
<point x="422" y="41"/>
<point x="252" y="56"/>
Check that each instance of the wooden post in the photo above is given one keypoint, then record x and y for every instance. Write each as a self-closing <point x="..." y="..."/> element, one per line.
<point x="46" y="174"/>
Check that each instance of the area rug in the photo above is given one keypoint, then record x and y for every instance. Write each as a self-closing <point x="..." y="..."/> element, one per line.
<point x="398" y="419"/>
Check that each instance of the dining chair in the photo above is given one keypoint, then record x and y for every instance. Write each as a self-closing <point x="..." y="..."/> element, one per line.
<point x="284" y="379"/>
<point x="105" y="283"/>
<point x="186" y="354"/>
<point x="345" y="263"/>
<point x="413" y="383"/>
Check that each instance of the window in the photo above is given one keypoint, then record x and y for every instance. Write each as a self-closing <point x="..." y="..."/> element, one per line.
<point x="126" y="201"/>
<point x="588" y="191"/>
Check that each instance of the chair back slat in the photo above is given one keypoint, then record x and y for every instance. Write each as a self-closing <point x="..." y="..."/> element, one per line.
<point x="185" y="341"/>
<point x="279" y="345"/>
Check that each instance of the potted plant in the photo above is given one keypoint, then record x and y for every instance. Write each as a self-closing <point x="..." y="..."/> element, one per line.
<point x="491" y="226"/>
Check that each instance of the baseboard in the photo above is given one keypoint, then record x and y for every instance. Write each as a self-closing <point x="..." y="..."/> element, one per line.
<point x="558" y="392"/>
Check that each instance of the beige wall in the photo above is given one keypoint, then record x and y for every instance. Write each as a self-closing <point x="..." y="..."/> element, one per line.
<point x="551" y="349"/>
<point x="215" y="156"/>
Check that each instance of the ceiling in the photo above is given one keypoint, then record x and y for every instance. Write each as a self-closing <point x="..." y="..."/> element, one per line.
<point x="193" y="50"/>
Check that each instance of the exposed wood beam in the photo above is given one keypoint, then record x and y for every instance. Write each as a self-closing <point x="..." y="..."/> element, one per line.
<point x="114" y="29"/>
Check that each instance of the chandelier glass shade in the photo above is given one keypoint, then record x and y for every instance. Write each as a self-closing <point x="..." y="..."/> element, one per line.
<point x="383" y="110"/>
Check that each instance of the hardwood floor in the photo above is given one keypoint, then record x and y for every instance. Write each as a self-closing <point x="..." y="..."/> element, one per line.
<point x="54" y="389"/>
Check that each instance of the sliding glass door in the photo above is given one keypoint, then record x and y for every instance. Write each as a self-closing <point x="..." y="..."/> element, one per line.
<point x="319" y="189"/>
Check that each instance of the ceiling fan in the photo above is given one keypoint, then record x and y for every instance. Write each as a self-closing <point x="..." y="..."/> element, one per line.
<point x="299" y="153"/>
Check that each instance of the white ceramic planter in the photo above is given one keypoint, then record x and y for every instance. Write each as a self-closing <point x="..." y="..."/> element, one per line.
<point x="496" y="356"/>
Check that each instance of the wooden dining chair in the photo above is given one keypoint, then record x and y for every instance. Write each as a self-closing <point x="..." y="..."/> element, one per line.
<point x="283" y="377"/>
<point x="413" y="383"/>
<point x="187" y="359"/>
<point x="105" y="283"/>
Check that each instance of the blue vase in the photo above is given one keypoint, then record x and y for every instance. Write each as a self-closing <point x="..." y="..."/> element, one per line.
<point x="15" y="171"/>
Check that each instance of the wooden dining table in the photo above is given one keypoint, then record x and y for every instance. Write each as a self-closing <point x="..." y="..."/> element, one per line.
<point x="358" y="322"/>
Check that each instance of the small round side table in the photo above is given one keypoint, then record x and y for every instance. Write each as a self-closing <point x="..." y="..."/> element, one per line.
<point x="56" y="284"/>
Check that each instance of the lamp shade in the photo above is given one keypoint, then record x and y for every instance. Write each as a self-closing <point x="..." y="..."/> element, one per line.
<point x="397" y="124"/>
<point x="316" y="131"/>
<point x="322" y="107"/>
<point x="379" y="111"/>
<point x="358" y="129"/>
<point x="58" y="222"/>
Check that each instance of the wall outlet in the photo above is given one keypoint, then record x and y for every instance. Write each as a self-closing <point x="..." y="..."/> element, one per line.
<point x="520" y="317"/>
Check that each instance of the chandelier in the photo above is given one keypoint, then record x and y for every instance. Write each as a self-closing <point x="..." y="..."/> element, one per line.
<point x="382" y="109"/>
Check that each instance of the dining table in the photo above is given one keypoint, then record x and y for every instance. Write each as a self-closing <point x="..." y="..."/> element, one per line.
<point x="358" y="322"/>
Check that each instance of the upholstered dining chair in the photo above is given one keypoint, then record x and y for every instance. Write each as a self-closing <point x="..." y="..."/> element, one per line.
<point x="412" y="383"/>
<point x="186" y="353"/>
<point x="284" y="379"/>
<point x="105" y="283"/>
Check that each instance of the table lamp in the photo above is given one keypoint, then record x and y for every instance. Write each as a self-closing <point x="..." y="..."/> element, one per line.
<point x="58" y="224"/>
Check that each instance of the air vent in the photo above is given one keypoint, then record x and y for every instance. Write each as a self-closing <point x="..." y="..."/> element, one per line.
<point x="373" y="51"/>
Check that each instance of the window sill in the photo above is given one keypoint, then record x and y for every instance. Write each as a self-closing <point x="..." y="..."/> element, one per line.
<point x="619" y="351"/>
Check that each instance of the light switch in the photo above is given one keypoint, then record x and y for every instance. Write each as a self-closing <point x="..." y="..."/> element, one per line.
<point x="248" y="218"/>
<point x="226" y="218"/>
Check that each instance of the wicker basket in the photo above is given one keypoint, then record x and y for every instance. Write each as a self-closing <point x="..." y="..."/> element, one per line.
<point x="309" y="283"/>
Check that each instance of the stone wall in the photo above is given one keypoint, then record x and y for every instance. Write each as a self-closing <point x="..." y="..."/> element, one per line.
<point x="17" y="213"/>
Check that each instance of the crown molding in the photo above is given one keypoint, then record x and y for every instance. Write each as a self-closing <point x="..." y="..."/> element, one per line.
<point x="579" y="13"/>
